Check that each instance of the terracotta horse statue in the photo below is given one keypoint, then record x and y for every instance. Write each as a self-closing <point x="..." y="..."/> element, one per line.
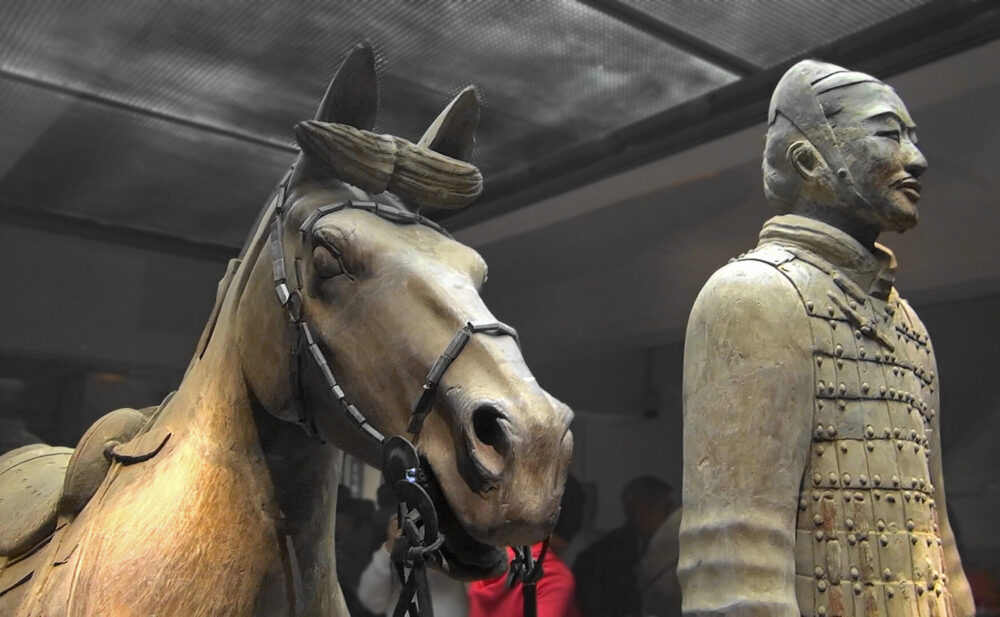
<point x="349" y="319"/>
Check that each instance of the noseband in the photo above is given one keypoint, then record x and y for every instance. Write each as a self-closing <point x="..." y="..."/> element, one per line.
<point x="420" y="540"/>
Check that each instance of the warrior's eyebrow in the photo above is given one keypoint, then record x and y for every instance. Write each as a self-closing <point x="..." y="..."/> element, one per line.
<point x="888" y="113"/>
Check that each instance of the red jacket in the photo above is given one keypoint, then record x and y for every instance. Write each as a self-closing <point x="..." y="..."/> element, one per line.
<point x="555" y="592"/>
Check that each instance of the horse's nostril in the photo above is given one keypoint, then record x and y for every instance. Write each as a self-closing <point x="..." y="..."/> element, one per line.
<point x="487" y="425"/>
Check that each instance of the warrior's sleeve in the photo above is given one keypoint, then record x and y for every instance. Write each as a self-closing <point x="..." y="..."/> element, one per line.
<point x="958" y="584"/>
<point x="748" y="399"/>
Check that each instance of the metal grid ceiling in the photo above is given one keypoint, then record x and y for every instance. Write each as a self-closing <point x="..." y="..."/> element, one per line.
<point x="766" y="32"/>
<point x="176" y="116"/>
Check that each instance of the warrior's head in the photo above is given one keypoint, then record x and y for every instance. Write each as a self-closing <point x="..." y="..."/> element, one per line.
<point x="841" y="147"/>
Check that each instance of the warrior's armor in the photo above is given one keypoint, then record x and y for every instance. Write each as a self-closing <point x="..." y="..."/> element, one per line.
<point x="868" y="534"/>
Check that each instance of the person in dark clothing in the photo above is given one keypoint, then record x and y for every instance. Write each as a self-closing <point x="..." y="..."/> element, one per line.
<point x="606" y="576"/>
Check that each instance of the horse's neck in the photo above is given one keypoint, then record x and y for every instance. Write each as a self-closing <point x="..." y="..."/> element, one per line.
<point x="215" y="407"/>
<point x="305" y="474"/>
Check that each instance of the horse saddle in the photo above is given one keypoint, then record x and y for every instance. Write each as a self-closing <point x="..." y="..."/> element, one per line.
<point x="40" y="483"/>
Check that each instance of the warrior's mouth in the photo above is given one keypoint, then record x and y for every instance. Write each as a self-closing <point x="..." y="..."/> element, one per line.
<point x="910" y="187"/>
<point x="465" y="558"/>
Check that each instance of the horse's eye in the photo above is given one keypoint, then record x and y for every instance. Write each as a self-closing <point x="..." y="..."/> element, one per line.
<point x="326" y="263"/>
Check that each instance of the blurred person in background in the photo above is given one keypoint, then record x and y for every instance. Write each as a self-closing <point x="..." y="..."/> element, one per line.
<point x="607" y="571"/>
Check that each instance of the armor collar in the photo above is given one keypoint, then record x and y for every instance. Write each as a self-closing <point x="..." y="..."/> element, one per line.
<point x="874" y="272"/>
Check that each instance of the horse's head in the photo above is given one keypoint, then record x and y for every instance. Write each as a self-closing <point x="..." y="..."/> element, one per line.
<point x="383" y="292"/>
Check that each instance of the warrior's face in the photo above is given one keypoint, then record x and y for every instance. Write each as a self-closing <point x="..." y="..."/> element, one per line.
<point x="878" y="141"/>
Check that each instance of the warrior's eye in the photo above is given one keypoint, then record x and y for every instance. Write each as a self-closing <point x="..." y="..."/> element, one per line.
<point x="891" y="134"/>
<point x="326" y="263"/>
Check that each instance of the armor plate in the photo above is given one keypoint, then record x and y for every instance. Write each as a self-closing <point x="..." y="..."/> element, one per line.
<point x="867" y="536"/>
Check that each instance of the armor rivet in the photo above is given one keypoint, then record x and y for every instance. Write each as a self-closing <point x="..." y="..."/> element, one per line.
<point x="883" y="540"/>
<point x="913" y="433"/>
<point x="913" y="540"/>
<point x="862" y="352"/>
<point x="819" y="361"/>
<point x="843" y="388"/>
<point x="922" y="483"/>
<point x="843" y="447"/>
<point x="819" y="536"/>
<point x="859" y="496"/>
<point x="821" y="610"/>
<point x="817" y="520"/>
<point x="830" y="389"/>
<point x="852" y="304"/>
<point x="838" y="350"/>
<point x="830" y="311"/>
<point x="819" y="405"/>
<point x="821" y="585"/>
<point x="852" y="539"/>
<point x="810" y="306"/>
<point x="831" y="430"/>
<point x="840" y="363"/>
<point x="881" y="390"/>
<point x="935" y="576"/>
<point x="863" y="480"/>
<point x="833" y="478"/>
<point x="878" y="357"/>
<point x="869" y="429"/>
<point x="910" y="526"/>
<point x="895" y="370"/>
<point x="890" y="592"/>
<point x="907" y="495"/>
<point x="803" y="504"/>
<point x="865" y="387"/>
<point x="890" y="498"/>
<point x="849" y="523"/>
<point x="816" y="495"/>
<point x="817" y="479"/>
<point x="833" y="324"/>
<point x="870" y="446"/>
<point x="857" y="334"/>
<point x="847" y="497"/>
<point x="895" y="481"/>
<point x="921" y="588"/>
<point x="939" y="541"/>
<point x="899" y="446"/>
<point x="819" y="572"/>
<point x="896" y="432"/>
<point x="885" y="432"/>
<point x="916" y="448"/>
<point x="892" y="393"/>
<point x="820" y="450"/>
<point x="937" y="590"/>
<point x="887" y="574"/>
<point x="880" y="525"/>
<point x="822" y="386"/>
<point x="847" y="479"/>
<point x="857" y="589"/>
<point x="842" y="403"/>
<point x="877" y="479"/>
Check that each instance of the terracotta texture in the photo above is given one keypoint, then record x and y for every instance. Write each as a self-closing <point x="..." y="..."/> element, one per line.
<point x="221" y="503"/>
<point x="812" y="459"/>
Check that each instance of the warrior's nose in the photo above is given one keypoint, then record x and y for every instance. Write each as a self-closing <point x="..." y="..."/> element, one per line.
<point x="489" y="438"/>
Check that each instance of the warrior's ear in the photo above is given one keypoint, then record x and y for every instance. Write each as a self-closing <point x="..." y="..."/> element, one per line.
<point x="453" y="133"/>
<point x="352" y="97"/>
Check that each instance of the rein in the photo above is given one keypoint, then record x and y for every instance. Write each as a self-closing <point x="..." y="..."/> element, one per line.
<point x="421" y="540"/>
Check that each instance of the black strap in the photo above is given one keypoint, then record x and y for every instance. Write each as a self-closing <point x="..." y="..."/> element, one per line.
<point x="527" y="570"/>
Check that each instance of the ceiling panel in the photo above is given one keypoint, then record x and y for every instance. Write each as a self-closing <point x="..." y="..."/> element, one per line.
<point x="766" y="32"/>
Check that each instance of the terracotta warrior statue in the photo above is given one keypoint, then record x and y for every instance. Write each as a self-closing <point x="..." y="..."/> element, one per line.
<point x="812" y="455"/>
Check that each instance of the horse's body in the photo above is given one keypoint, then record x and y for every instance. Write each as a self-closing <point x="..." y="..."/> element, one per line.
<point x="220" y="503"/>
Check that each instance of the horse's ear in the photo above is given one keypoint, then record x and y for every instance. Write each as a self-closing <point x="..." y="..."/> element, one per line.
<point x="453" y="133"/>
<point x="352" y="97"/>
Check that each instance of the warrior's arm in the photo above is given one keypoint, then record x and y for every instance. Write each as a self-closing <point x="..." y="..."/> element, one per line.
<point x="958" y="584"/>
<point x="748" y="400"/>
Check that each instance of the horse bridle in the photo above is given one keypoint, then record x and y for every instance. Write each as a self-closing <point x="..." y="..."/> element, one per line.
<point x="421" y="539"/>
